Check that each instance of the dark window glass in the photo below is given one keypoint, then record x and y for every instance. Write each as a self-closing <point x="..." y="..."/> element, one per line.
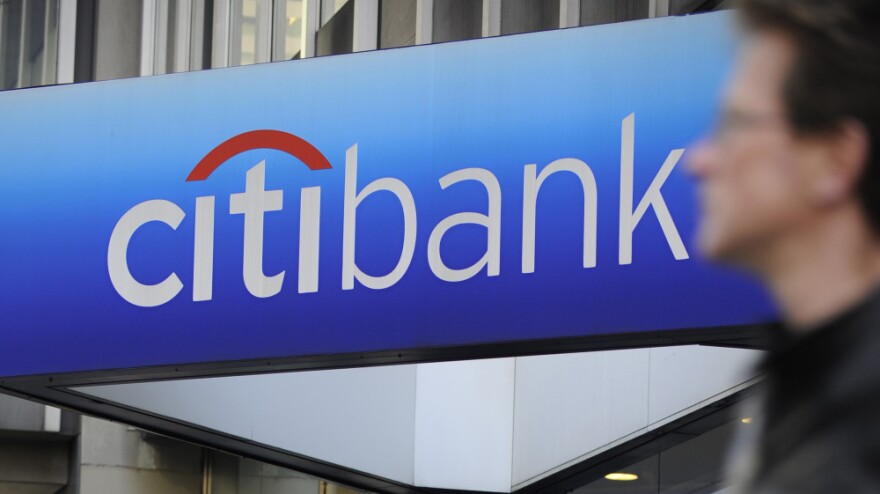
<point x="397" y="23"/>
<point x="10" y="43"/>
<point x="682" y="7"/>
<point x="524" y="16"/>
<point x="117" y="42"/>
<point x="693" y="466"/>
<point x="337" y="34"/>
<point x="457" y="19"/>
<point x="608" y="11"/>
<point x="28" y="43"/>
<point x="329" y="9"/>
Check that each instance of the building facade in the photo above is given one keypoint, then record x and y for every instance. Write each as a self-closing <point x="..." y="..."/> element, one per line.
<point x="45" y="42"/>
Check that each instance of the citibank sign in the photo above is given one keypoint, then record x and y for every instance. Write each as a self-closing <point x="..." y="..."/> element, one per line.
<point x="454" y="197"/>
<point x="256" y="201"/>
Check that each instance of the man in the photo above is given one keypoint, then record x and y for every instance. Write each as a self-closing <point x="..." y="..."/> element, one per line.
<point x="789" y="187"/>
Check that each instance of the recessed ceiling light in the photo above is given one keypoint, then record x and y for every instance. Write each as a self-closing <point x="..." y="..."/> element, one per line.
<point x="622" y="476"/>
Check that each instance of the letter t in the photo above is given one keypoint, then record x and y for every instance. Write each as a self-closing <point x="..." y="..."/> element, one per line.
<point x="253" y="203"/>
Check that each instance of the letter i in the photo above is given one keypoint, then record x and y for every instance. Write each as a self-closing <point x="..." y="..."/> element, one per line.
<point x="203" y="251"/>
<point x="309" y="239"/>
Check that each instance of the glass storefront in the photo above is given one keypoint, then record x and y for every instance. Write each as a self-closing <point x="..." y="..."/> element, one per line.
<point x="694" y="466"/>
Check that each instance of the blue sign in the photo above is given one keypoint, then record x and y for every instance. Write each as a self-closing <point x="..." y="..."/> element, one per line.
<point x="501" y="190"/>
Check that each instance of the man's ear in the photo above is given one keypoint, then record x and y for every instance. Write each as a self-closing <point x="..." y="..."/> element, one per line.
<point x="845" y="156"/>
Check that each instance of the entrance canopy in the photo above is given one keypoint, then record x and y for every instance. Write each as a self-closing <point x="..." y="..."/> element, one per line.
<point x="526" y="424"/>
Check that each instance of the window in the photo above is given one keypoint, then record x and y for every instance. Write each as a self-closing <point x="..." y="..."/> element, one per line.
<point x="457" y="19"/>
<point x="397" y="23"/>
<point x="682" y="7"/>
<point x="287" y="42"/>
<point x="329" y="9"/>
<point x="176" y="36"/>
<point x="337" y="34"/>
<point x="257" y="31"/>
<point x="608" y="11"/>
<point x="28" y="43"/>
<point x="695" y="465"/>
<point x="525" y="16"/>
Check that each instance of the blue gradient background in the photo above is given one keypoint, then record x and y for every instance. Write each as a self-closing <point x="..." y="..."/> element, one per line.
<point x="75" y="158"/>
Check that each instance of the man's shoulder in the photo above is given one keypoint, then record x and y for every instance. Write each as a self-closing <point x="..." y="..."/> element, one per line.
<point x="855" y="377"/>
<point x="823" y="409"/>
<point x="843" y="455"/>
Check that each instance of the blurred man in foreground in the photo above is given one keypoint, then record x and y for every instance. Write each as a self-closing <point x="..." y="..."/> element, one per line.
<point x="790" y="190"/>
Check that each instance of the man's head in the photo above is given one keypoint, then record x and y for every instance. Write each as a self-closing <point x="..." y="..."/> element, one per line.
<point x="798" y="141"/>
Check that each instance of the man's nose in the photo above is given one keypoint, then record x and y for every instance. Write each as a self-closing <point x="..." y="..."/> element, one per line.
<point x="701" y="158"/>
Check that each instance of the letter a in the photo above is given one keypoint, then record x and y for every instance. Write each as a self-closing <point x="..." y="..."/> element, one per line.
<point x="492" y="257"/>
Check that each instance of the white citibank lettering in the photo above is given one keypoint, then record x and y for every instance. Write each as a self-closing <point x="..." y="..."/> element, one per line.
<point x="256" y="201"/>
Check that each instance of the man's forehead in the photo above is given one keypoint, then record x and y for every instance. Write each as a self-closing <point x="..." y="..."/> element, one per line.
<point x="761" y="71"/>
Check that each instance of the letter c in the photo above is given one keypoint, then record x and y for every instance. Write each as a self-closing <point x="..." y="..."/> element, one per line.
<point x="117" y="254"/>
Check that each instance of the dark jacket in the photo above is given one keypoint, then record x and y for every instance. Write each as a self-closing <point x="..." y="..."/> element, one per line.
<point x="817" y="423"/>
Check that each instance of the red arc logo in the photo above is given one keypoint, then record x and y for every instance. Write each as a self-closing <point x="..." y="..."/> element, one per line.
<point x="259" y="139"/>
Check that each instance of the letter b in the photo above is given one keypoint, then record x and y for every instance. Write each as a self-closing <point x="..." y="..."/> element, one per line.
<point x="350" y="270"/>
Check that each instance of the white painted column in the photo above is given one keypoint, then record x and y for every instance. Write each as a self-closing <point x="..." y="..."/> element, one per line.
<point x="197" y="35"/>
<point x="233" y="35"/>
<point x="366" y="25"/>
<point x="658" y="8"/>
<point x="424" y="22"/>
<point x="221" y="34"/>
<point x="264" y="32"/>
<point x="148" y="37"/>
<point x="4" y="7"/>
<point x="160" y="38"/>
<point x="311" y="13"/>
<point x="50" y="46"/>
<point x="279" y="31"/>
<point x="66" y="40"/>
<point x="491" y="18"/>
<point x="182" y="35"/>
<point x="570" y="13"/>
<point x="26" y="13"/>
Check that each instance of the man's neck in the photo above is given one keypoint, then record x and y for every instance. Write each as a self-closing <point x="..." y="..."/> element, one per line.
<point x="823" y="270"/>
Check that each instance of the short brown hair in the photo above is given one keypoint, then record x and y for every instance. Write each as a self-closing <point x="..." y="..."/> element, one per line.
<point x="836" y="73"/>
